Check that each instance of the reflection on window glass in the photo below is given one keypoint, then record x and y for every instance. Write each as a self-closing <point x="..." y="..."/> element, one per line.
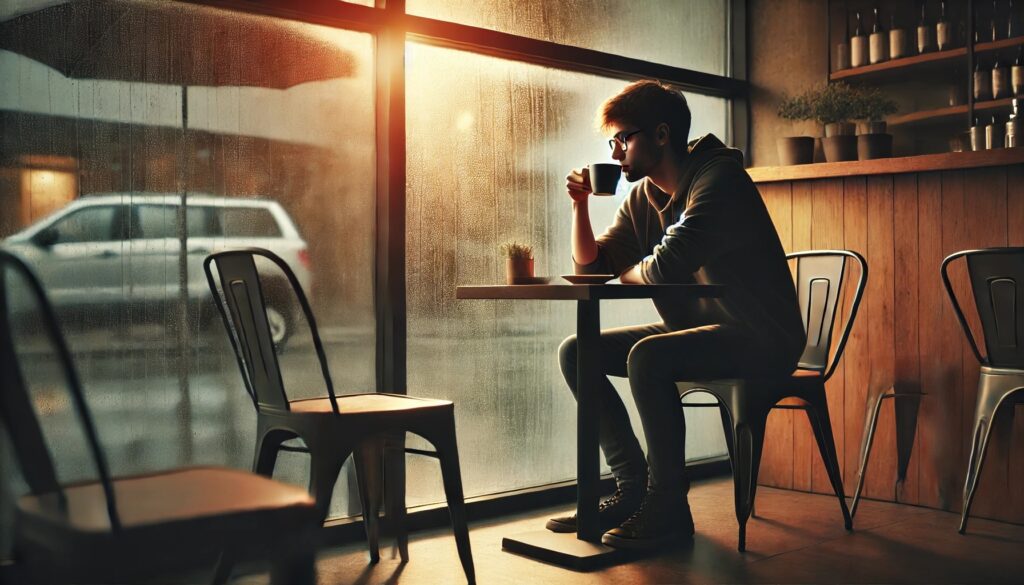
<point x="488" y="152"/>
<point x="683" y="33"/>
<point x="278" y="153"/>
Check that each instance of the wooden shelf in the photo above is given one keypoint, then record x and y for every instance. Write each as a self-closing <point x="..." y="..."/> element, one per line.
<point x="886" y="166"/>
<point x="947" y="114"/>
<point x="893" y="66"/>
<point x="998" y="45"/>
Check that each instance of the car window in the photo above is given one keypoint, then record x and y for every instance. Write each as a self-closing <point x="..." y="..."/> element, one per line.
<point x="99" y="223"/>
<point x="161" y="221"/>
<point x="249" y="222"/>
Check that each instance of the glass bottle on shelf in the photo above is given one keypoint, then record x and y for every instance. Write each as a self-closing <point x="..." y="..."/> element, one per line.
<point x="1017" y="72"/>
<point x="994" y="26"/>
<point x="1011" y="22"/>
<point x="859" y="45"/>
<point x="982" y="82"/>
<point x="842" y="54"/>
<point x="897" y="39"/>
<point x="924" y="33"/>
<point x="878" y="43"/>
<point x="1000" y="79"/>
<point x="943" y="30"/>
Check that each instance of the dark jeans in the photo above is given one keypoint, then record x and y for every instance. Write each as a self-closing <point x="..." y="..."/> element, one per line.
<point x="654" y="358"/>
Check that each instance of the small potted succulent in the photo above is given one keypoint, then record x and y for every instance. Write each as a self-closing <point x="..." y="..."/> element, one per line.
<point x="833" y="106"/>
<point x="872" y="139"/>
<point x="518" y="262"/>
<point x="795" y="150"/>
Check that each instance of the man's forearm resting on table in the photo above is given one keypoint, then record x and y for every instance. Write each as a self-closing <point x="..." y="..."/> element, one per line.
<point x="632" y="275"/>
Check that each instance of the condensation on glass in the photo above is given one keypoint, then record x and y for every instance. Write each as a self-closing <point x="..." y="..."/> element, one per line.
<point x="177" y="99"/>
<point x="489" y="145"/>
<point x="692" y="34"/>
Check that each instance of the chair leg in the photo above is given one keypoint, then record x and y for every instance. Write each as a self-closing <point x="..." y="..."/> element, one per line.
<point x="368" y="457"/>
<point x="443" y="439"/>
<point x="325" y="465"/>
<point x="822" y="426"/>
<point x="394" y="493"/>
<point x="267" y="446"/>
<point x="748" y="441"/>
<point x="865" y="452"/>
<point x="222" y="572"/>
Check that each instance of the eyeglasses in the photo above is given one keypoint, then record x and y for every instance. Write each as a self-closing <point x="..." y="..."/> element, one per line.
<point x="622" y="139"/>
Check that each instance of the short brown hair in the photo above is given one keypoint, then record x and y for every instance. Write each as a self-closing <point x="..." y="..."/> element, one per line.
<point x="646" y="104"/>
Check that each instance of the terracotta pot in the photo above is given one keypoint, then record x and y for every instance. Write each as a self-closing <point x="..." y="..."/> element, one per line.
<point x="870" y="146"/>
<point x="518" y="268"/>
<point x="839" y="148"/>
<point x="795" y="150"/>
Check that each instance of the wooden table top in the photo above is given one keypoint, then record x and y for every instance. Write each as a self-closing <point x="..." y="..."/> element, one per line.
<point x="586" y="292"/>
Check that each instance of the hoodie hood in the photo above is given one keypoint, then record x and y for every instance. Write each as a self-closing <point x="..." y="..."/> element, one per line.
<point x="700" y="152"/>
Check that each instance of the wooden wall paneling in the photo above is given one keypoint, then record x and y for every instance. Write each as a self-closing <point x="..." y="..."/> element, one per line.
<point x="827" y="233"/>
<point x="881" y="473"/>
<point x="803" y="440"/>
<point x="777" y="457"/>
<point x="948" y="393"/>
<point x="1015" y="237"/>
<point x="905" y="326"/>
<point x="933" y="314"/>
<point x="985" y="226"/>
<point x="856" y="356"/>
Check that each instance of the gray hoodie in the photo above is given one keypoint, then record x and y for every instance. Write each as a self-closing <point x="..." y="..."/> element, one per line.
<point x="716" y="230"/>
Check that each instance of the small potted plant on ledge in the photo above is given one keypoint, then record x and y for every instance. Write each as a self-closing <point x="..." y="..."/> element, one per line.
<point x="518" y="262"/>
<point x="834" y="106"/>
<point x="795" y="150"/>
<point x="872" y="139"/>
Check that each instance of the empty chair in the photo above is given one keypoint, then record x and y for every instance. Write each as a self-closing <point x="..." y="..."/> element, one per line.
<point x="333" y="427"/>
<point x="997" y="281"/>
<point x="744" y="404"/>
<point x="125" y="529"/>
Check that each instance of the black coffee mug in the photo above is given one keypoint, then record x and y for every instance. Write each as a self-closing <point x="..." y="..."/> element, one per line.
<point x="604" y="177"/>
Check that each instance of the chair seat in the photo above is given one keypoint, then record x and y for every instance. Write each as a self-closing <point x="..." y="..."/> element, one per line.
<point x="365" y="403"/>
<point x="182" y="495"/>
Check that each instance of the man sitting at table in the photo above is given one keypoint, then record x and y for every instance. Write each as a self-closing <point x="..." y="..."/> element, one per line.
<point x="694" y="216"/>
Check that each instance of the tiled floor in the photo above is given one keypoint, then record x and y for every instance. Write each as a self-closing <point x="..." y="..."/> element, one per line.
<point x="796" y="538"/>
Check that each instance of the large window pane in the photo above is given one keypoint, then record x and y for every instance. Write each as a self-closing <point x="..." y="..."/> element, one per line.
<point x="107" y="124"/>
<point x="488" y="151"/>
<point x="683" y="33"/>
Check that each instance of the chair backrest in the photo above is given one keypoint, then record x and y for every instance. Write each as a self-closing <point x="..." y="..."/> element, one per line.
<point x="997" y="281"/>
<point x="819" y="284"/>
<point x="240" y="299"/>
<point x="16" y="409"/>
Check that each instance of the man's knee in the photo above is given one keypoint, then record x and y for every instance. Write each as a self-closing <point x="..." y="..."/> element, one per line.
<point x="647" y="360"/>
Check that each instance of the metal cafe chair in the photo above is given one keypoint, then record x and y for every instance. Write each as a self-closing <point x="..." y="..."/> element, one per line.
<point x="126" y="529"/>
<point x="744" y="404"/>
<point x="997" y="281"/>
<point x="333" y="427"/>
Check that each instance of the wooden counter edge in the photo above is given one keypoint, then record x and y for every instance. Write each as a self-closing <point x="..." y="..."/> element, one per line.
<point x="887" y="166"/>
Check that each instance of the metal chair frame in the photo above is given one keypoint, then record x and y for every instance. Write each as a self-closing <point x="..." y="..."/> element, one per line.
<point x="744" y="404"/>
<point x="355" y="424"/>
<point x="997" y="281"/>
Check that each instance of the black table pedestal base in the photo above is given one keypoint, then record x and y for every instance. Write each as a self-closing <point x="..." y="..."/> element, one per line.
<point x="562" y="549"/>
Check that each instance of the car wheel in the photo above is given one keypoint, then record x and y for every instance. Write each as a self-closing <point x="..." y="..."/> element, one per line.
<point x="280" y="322"/>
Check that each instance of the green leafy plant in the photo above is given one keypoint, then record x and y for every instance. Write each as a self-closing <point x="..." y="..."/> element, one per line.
<point x="795" y="107"/>
<point x="516" y="251"/>
<point x="873" y="105"/>
<point x="835" y="102"/>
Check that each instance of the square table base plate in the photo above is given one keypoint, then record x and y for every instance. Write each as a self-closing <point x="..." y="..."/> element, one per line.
<point x="562" y="549"/>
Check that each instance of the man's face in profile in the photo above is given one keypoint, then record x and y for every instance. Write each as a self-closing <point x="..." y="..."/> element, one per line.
<point x="634" y="149"/>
